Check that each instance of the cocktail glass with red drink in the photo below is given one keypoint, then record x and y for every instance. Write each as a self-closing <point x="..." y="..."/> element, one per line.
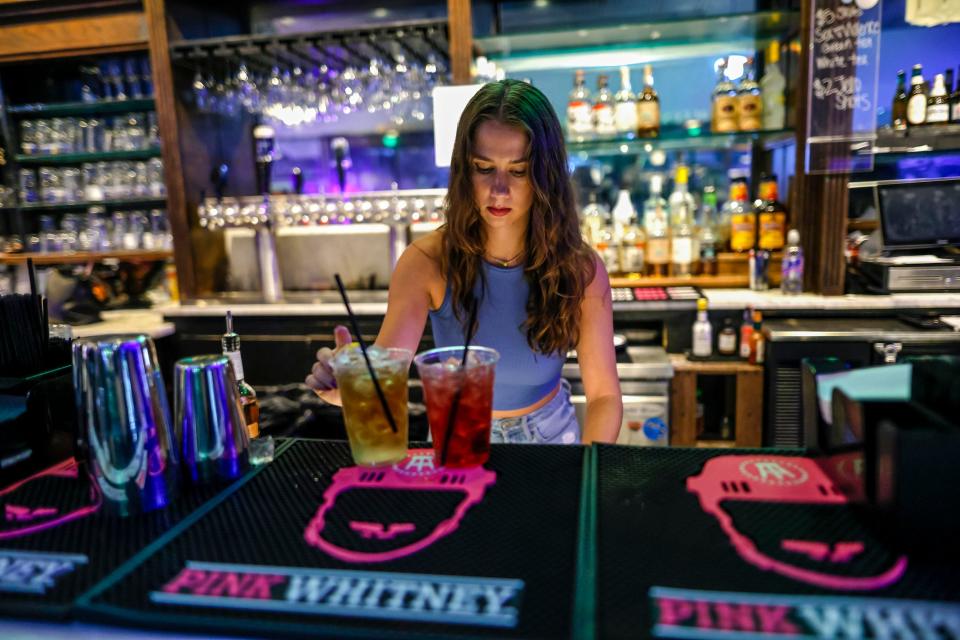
<point x="446" y="383"/>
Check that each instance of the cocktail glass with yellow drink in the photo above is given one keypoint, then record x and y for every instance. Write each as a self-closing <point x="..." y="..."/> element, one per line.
<point x="373" y="441"/>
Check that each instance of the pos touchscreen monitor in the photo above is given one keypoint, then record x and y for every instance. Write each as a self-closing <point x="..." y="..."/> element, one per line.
<point x="920" y="215"/>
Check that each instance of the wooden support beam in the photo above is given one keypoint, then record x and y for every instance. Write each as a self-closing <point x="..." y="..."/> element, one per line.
<point x="820" y="201"/>
<point x="461" y="40"/>
<point x="166" y="101"/>
<point x="73" y="36"/>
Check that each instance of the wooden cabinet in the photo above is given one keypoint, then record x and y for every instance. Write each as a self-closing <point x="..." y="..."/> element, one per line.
<point x="747" y="400"/>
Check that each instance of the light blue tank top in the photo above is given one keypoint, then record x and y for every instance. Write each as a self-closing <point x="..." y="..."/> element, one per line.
<point x="523" y="375"/>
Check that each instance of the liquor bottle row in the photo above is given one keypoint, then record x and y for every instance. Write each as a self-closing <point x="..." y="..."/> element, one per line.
<point x="922" y="104"/>
<point x="751" y="343"/>
<point x="747" y="106"/>
<point x="678" y="237"/>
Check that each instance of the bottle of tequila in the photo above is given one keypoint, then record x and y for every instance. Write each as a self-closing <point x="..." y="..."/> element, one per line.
<point x="249" y="404"/>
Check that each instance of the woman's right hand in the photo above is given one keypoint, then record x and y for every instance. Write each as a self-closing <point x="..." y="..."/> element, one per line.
<point x="321" y="378"/>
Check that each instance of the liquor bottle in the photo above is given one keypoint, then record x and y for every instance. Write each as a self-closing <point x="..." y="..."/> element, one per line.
<point x="607" y="248"/>
<point x="727" y="339"/>
<point x="772" y="87"/>
<point x="742" y="219"/>
<point x="955" y="102"/>
<point x="603" y="110"/>
<point x="772" y="215"/>
<point x="658" y="229"/>
<point x="938" y="104"/>
<point x="758" y="263"/>
<point x="230" y="342"/>
<point x="633" y="248"/>
<point x="702" y="332"/>
<point x="749" y="101"/>
<point x="683" y="245"/>
<point x="708" y="232"/>
<point x="791" y="270"/>
<point x="917" y="102"/>
<point x="623" y="213"/>
<point x="593" y="217"/>
<point x="746" y="333"/>
<point x="579" y="106"/>
<point x="899" y="120"/>
<point x="648" y="107"/>
<point x="625" y="109"/>
<point x="757" y="341"/>
<point x="724" y="112"/>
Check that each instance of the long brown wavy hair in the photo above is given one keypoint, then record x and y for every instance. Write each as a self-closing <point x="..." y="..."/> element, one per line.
<point x="559" y="264"/>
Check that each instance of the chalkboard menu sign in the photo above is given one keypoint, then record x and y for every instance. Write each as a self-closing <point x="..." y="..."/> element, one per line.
<point x="841" y="113"/>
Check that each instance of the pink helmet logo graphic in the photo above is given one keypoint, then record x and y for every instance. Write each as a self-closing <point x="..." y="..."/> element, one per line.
<point x="785" y="480"/>
<point x="416" y="473"/>
<point x="21" y="517"/>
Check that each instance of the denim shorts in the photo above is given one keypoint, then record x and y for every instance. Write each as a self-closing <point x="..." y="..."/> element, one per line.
<point x="553" y="423"/>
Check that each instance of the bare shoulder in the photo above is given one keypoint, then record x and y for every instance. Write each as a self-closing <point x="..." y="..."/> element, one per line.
<point x="419" y="267"/>
<point x="429" y="246"/>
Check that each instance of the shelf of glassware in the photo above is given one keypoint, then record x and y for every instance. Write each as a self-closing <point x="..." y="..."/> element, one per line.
<point x="679" y="139"/>
<point x="147" y="203"/>
<point x="634" y="43"/>
<point x="80" y="158"/>
<point x="82" y="257"/>
<point x="66" y="109"/>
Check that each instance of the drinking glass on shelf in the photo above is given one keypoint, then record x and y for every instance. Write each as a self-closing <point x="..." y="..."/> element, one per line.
<point x="71" y="184"/>
<point x="135" y="233"/>
<point x="44" y="137"/>
<point x="28" y="137"/>
<point x="153" y="130"/>
<point x="28" y="186"/>
<point x="132" y="78"/>
<point x="136" y="131"/>
<point x="51" y="185"/>
<point x="146" y="76"/>
<point x="141" y="180"/>
<point x="123" y="179"/>
<point x="155" y="182"/>
<point x="119" y="138"/>
<point x="69" y="232"/>
<point x="91" y="135"/>
<point x="50" y="240"/>
<point x="119" y="231"/>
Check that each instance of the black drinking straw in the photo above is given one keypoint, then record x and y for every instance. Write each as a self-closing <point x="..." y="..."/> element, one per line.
<point x="454" y="405"/>
<point x="363" y="348"/>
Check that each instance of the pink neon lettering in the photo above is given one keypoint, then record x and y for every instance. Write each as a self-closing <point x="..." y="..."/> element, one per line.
<point x="262" y="585"/>
<point x="773" y="620"/>
<point x="231" y="584"/>
<point x="673" y="611"/>
<point x="186" y="579"/>
<point x="703" y="615"/>
<point x="734" y="617"/>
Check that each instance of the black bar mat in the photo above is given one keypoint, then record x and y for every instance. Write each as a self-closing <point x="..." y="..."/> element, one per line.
<point x="705" y="543"/>
<point x="315" y="547"/>
<point x="56" y="541"/>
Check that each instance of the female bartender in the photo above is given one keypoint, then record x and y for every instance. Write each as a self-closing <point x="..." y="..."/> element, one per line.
<point x="512" y="245"/>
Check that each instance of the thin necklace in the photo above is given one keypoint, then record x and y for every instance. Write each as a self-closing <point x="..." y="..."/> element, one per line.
<point x="506" y="263"/>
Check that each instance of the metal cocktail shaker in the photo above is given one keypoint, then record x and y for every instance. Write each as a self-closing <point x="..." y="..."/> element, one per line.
<point x="124" y="422"/>
<point x="209" y="423"/>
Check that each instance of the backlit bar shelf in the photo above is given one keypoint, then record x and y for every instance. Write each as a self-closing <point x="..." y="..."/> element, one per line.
<point x="81" y="257"/>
